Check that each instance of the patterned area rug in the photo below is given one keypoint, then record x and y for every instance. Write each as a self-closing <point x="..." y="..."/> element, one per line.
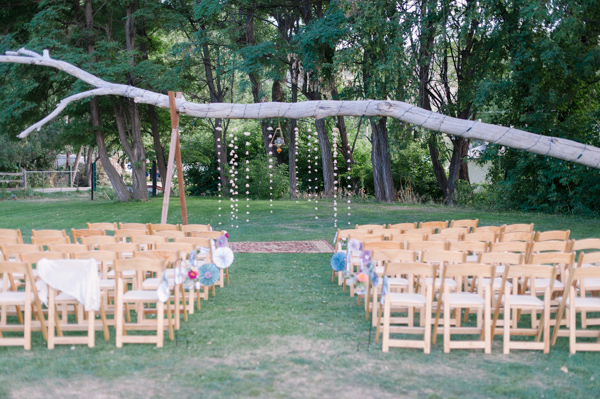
<point x="283" y="247"/>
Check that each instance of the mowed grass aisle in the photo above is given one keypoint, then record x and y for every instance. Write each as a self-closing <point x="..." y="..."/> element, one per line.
<point x="281" y="329"/>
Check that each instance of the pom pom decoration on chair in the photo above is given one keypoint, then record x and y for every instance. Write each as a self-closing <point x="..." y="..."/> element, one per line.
<point x="223" y="257"/>
<point x="338" y="261"/>
<point x="208" y="274"/>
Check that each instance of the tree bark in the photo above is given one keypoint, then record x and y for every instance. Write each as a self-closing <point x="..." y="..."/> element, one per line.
<point x="89" y="159"/>
<point x="159" y="149"/>
<point x="77" y="158"/>
<point x="115" y="179"/>
<point x="380" y="158"/>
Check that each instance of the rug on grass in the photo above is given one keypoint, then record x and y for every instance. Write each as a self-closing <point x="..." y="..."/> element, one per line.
<point x="283" y="247"/>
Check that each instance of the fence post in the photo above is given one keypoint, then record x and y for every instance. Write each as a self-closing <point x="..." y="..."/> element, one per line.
<point x="43" y="181"/>
<point x="24" y="179"/>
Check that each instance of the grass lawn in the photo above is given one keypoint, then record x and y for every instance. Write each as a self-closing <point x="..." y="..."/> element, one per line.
<point x="281" y="329"/>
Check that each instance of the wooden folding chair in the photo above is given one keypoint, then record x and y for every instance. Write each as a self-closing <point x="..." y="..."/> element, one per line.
<point x="538" y="247"/>
<point x="170" y="235"/>
<point x="437" y="225"/>
<point x="516" y="236"/>
<point x="480" y="299"/>
<point x="48" y="233"/>
<point x="553" y="235"/>
<point x="403" y="226"/>
<point x="148" y="242"/>
<point x="528" y="300"/>
<point x="422" y="246"/>
<point x="12" y="251"/>
<point x="493" y="229"/>
<point x="133" y="226"/>
<point x="20" y="300"/>
<point x="417" y="296"/>
<point x="124" y="235"/>
<point x="136" y="296"/>
<point x="15" y="233"/>
<point x="69" y="249"/>
<point x="104" y="226"/>
<point x="473" y="249"/>
<point x="446" y="237"/>
<point x="576" y="300"/>
<point x="191" y="228"/>
<point x="471" y="224"/>
<point x="77" y="234"/>
<point x="485" y="236"/>
<point x="173" y="258"/>
<point x="518" y="227"/>
<point x="94" y="242"/>
<point x="45" y="242"/>
<point x="154" y="227"/>
<point x="105" y="261"/>
<point x="368" y="228"/>
<point x="381" y="257"/>
<point x="424" y="230"/>
<point x="76" y="290"/>
<point x="405" y="238"/>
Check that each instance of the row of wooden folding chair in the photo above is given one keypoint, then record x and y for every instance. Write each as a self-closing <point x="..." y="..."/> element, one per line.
<point x="151" y="228"/>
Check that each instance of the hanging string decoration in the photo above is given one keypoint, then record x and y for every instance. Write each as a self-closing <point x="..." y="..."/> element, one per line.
<point x="296" y="163"/>
<point x="334" y="133"/>
<point x="247" y="170"/>
<point x="308" y="157"/>
<point x="270" y="129"/>
<point x="316" y="170"/>
<point x="219" y="185"/>
<point x="234" y="186"/>
<point x="349" y="185"/>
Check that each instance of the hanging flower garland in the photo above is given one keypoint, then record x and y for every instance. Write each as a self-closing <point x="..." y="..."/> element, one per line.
<point x="234" y="187"/>
<point x="334" y="133"/>
<point x="219" y="169"/>
<point x="349" y="186"/>
<point x="309" y="166"/>
<point x="316" y="170"/>
<point x="270" y="129"/>
<point x="296" y="163"/>
<point x="247" y="170"/>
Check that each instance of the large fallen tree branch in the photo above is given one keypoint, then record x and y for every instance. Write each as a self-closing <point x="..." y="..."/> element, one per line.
<point x="507" y="136"/>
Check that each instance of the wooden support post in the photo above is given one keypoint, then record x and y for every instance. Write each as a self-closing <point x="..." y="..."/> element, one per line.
<point x="174" y="152"/>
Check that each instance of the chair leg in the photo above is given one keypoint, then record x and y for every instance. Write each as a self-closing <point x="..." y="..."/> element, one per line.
<point x="160" y="324"/>
<point x="91" y="328"/>
<point x="446" y="325"/>
<point x="385" y="345"/>
<point x="119" y="315"/>
<point x="572" y="330"/>
<point x="487" y="322"/>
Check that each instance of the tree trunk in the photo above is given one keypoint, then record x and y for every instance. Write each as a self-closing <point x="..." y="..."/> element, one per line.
<point x="159" y="149"/>
<point x="77" y="158"/>
<point x="380" y="158"/>
<point x="326" y="157"/>
<point x="88" y="166"/>
<point x="115" y="179"/>
<point x="438" y="168"/>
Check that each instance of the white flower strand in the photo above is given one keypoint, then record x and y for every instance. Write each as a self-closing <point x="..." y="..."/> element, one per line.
<point x="247" y="170"/>
<point x="334" y="133"/>
<point x="296" y="163"/>
<point x="270" y="129"/>
<point x="316" y="149"/>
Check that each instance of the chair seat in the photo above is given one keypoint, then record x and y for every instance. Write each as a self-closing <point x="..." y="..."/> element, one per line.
<point x="542" y="283"/>
<point x="13" y="297"/>
<point x="402" y="298"/>
<point x="526" y="300"/>
<point x="438" y="282"/>
<point x="65" y="297"/>
<point x="585" y="303"/>
<point x="154" y="282"/>
<point x="137" y="295"/>
<point x="398" y="282"/>
<point x="126" y="274"/>
<point x="497" y="283"/>
<point x="591" y="284"/>
<point x="465" y="299"/>
<point x="107" y="283"/>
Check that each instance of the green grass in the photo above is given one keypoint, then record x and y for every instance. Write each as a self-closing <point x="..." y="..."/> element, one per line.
<point x="281" y="329"/>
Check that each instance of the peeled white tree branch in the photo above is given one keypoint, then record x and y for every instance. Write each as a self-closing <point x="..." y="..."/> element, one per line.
<point x="555" y="147"/>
